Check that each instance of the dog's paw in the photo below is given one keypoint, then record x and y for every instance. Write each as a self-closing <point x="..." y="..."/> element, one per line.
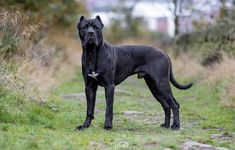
<point x="164" y="125"/>
<point x="107" y="127"/>
<point x="108" y="124"/>
<point x="175" y="126"/>
<point x="80" y="128"/>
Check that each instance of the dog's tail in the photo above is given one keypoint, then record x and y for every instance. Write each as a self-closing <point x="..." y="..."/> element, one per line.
<point x="176" y="84"/>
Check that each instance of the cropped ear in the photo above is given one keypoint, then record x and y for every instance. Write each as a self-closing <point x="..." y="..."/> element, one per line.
<point x="80" y="20"/>
<point x="98" y="18"/>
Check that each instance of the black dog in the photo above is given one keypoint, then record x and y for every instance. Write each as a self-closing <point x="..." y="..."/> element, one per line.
<point x="108" y="65"/>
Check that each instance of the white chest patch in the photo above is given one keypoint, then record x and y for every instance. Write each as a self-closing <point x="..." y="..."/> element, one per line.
<point x="93" y="75"/>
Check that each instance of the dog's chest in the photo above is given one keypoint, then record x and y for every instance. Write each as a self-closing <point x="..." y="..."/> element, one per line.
<point x="93" y="64"/>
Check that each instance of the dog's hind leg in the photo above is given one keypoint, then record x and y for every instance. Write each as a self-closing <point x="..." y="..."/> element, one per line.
<point x="164" y="88"/>
<point x="153" y="88"/>
<point x="178" y="105"/>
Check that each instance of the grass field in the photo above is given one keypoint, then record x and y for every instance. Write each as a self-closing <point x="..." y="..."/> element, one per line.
<point x="137" y="116"/>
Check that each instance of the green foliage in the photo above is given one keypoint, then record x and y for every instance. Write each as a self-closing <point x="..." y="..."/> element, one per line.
<point x="120" y="30"/>
<point x="10" y="106"/>
<point x="210" y="42"/>
<point x="50" y="12"/>
<point x="64" y="12"/>
<point x="18" y="26"/>
<point x="13" y="39"/>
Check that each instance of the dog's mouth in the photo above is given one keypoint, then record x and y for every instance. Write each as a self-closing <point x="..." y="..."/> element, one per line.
<point x="91" y="40"/>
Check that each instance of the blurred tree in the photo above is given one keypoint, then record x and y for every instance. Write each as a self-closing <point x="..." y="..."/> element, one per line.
<point x="23" y="22"/>
<point x="223" y="12"/>
<point x="131" y="23"/>
<point x="50" y="12"/>
<point x="176" y="7"/>
<point x="233" y="11"/>
<point x="125" y="25"/>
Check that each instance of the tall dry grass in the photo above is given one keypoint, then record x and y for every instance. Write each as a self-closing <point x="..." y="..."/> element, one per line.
<point x="56" y="63"/>
<point x="34" y="66"/>
<point x="16" y="31"/>
<point x="223" y="73"/>
<point x="220" y="75"/>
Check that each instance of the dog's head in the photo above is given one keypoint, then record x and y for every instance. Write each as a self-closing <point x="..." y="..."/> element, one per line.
<point x="90" y="31"/>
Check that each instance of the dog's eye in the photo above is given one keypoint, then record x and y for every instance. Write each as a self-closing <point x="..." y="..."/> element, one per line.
<point x="96" y="28"/>
<point x="85" y="27"/>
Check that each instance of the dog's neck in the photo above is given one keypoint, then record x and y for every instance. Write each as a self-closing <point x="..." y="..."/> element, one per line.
<point x="90" y="54"/>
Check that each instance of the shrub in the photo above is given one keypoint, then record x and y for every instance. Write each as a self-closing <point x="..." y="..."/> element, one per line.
<point x="16" y="32"/>
<point x="50" y="12"/>
<point x="210" y="42"/>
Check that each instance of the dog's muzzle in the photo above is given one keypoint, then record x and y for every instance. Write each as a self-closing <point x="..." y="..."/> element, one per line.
<point x="90" y="40"/>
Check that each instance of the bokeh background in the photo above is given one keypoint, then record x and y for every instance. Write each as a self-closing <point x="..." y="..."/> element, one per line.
<point x="40" y="55"/>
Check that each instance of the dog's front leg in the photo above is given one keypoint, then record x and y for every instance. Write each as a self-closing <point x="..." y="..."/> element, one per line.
<point x="90" y="90"/>
<point x="109" y="95"/>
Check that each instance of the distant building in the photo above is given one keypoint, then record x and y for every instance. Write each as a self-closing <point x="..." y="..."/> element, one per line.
<point x="156" y="16"/>
<point x="156" y="13"/>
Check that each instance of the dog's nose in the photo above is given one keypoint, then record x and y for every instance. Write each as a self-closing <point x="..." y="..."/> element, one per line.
<point x="90" y="33"/>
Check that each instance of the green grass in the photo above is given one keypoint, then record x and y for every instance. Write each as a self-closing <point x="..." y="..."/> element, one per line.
<point x="50" y="125"/>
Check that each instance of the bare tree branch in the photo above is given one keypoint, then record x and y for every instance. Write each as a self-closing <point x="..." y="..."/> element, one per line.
<point x="176" y="11"/>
